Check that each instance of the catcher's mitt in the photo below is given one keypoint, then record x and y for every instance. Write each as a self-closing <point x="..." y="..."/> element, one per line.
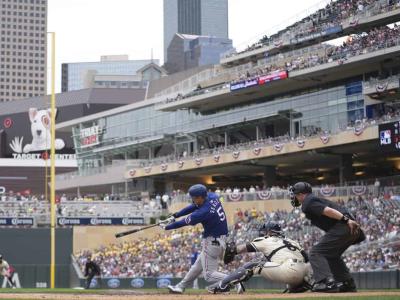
<point x="230" y="252"/>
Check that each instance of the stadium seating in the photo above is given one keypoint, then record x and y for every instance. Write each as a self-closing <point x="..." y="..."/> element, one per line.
<point x="169" y="254"/>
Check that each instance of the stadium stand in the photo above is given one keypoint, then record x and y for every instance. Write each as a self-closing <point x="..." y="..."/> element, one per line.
<point x="168" y="254"/>
<point x="355" y="45"/>
<point x="387" y="115"/>
<point x="336" y="13"/>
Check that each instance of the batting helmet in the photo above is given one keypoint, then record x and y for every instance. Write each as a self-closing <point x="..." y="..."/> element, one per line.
<point x="299" y="188"/>
<point x="270" y="228"/>
<point x="198" y="190"/>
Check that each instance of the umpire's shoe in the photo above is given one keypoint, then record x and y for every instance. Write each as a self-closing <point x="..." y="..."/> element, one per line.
<point x="175" y="289"/>
<point x="326" y="286"/>
<point x="348" y="286"/>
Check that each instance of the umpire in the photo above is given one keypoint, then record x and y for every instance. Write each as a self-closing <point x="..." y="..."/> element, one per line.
<point x="341" y="231"/>
<point x="91" y="269"/>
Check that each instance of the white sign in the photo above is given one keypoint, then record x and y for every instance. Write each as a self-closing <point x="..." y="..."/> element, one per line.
<point x="23" y="156"/>
<point x="14" y="279"/>
<point x="41" y="136"/>
<point x="90" y="136"/>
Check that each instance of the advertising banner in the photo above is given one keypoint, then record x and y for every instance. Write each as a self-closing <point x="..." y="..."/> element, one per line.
<point x="67" y="221"/>
<point x="16" y="221"/>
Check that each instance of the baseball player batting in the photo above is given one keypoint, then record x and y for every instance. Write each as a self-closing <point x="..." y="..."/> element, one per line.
<point x="284" y="261"/>
<point x="207" y="210"/>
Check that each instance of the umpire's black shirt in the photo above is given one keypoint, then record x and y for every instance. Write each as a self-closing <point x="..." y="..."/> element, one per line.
<point x="313" y="207"/>
<point x="92" y="268"/>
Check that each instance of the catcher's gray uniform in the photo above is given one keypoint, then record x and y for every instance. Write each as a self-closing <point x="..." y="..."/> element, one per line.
<point x="286" y="265"/>
<point x="284" y="261"/>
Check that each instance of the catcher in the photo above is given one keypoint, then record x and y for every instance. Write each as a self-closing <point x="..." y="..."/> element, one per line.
<point x="284" y="261"/>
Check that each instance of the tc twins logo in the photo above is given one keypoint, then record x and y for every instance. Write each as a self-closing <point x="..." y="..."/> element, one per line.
<point x="41" y="137"/>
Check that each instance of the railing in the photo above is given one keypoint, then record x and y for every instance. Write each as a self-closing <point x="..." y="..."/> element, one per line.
<point x="291" y="33"/>
<point x="194" y="93"/>
<point x="97" y="170"/>
<point x="40" y="210"/>
<point x="280" y="194"/>
<point x="261" y="143"/>
<point x="296" y="63"/>
<point x="373" y="82"/>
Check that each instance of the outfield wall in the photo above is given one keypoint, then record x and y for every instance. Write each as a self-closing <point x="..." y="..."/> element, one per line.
<point x="28" y="251"/>
<point x="367" y="280"/>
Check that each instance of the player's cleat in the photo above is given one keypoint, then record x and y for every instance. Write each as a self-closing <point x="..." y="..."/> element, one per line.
<point x="301" y="288"/>
<point x="348" y="286"/>
<point x="219" y="289"/>
<point x="175" y="289"/>
<point x="326" y="286"/>
<point x="240" y="289"/>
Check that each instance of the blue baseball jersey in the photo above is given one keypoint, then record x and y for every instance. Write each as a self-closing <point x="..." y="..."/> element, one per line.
<point x="193" y="257"/>
<point x="211" y="215"/>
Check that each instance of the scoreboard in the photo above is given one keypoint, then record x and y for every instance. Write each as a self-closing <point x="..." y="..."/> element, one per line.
<point x="389" y="136"/>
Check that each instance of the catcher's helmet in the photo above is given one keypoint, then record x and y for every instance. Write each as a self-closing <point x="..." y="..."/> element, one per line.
<point x="298" y="188"/>
<point x="270" y="228"/>
<point x="198" y="190"/>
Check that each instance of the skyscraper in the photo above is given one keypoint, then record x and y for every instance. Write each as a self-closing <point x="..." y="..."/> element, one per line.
<point x="196" y="17"/>
<point x="23" y="48"/>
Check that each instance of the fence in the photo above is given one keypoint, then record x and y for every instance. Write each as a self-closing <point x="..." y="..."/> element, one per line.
<point x="328" y="191"/>
<point x="37" y="213"/>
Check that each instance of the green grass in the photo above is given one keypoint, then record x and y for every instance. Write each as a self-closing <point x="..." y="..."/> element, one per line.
<point x="201" y="291"/>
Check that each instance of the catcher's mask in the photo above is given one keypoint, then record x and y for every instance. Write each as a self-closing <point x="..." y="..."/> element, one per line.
<point x="298" y="188"/>
<point x="270" y="229"/>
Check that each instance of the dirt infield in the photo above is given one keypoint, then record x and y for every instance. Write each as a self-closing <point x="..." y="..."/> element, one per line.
<point x="140" y="295"/>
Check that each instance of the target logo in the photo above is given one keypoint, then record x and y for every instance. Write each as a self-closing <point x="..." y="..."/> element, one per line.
<point x="7" y="122"/>
<point x="45" y="156"/>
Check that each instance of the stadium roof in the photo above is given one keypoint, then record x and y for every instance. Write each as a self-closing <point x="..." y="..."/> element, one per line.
<point x="85" y="96"/>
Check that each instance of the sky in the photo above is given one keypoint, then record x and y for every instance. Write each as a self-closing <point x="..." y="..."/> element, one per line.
<point x="87" y="29"/>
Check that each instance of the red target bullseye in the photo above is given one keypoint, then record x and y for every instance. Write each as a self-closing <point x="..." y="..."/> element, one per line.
<point x="7" y="122"/>
<point x="45" y="155"/>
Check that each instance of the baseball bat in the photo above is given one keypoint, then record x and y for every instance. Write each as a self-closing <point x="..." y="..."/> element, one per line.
<point x="124" y="233"/>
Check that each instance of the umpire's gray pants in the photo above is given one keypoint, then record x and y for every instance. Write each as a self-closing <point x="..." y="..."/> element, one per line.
<point x="325" y="257"/>
<point x="207" y="262"/>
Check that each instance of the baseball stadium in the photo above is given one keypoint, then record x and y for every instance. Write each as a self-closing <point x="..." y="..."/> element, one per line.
<point x="273" y="174"/>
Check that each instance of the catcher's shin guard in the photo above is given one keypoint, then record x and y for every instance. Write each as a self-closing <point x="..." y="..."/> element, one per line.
<point x="242" y="274"/>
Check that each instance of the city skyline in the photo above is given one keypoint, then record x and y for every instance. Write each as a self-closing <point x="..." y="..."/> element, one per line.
<point x="86" y="36"/>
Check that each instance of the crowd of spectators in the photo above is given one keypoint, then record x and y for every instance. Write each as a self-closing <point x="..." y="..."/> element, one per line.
<point x="354" y="45"/>
<point x="335" y="13"/>
<point x="169" y="254"/>
<point x="197" y="91"/>
<point x="28" y="196"/>
<point x="357" y="44"/>
<point x="389" y="114"/>
<point x="29" y="205"/>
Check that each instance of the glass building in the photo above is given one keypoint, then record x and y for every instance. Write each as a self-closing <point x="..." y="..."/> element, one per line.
<point x="77" y="76"/>
<point x="197" y="17"/>
<point x="190" y="51"/>
<point x="145" y="132"/>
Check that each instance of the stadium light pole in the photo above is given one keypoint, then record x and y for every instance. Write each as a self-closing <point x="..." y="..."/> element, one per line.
<point x="53" y="167"/>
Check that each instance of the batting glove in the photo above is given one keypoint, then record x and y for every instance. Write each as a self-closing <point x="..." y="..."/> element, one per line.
<point x="162" y="225"/>
<point x="166" y="222"/>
